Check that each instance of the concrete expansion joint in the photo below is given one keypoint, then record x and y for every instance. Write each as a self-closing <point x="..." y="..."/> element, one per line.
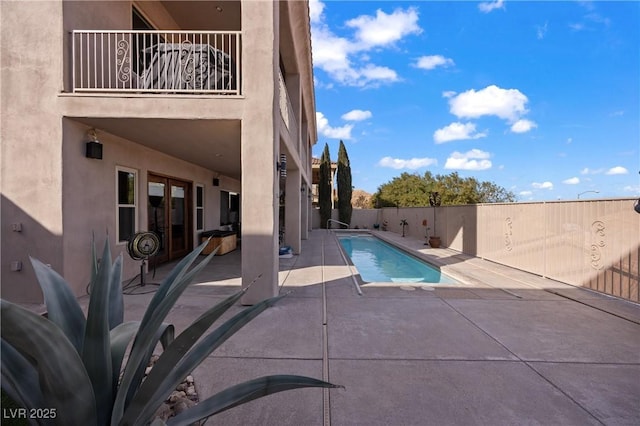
<point x="566" y="394"/>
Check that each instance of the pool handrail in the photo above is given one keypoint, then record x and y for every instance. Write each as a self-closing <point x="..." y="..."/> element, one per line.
<point x="337" y="221"/>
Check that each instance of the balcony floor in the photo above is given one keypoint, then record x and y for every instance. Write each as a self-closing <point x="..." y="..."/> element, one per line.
<point x="510" y="348"/>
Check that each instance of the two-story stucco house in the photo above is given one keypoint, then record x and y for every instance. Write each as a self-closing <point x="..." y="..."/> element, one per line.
<point x="175" y="117"/>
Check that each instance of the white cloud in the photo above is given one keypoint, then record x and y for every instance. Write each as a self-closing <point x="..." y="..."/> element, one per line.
<point x="470" y="160"/>
<point x="384" y="29"/>
<point x="457" y="131"/>
<point x="489" y="6"/>
<point x="588" y="171"/>
<point x="543" y="185"/>
<point x="356" y="115"/>
<point x="433" y="61"/>
<point x="326" y="130"/>
<point x="617" y="113"/>
<point x="376" y="73"/>
<point x="617" y="171"/>
<point x="631" y="188"/>
<point x="413" y="163"/>
<point x="331" y="53"/>
<point x="525" y="193"/>
<point x="571" y="181"/>
<point x="576" y="26"/>
<point x="541" y="30"/>
<point x="523" y="126"/>
<point x="344" y="59"/>
<point x="508" y="104"/>
<point x="315" y="10"/>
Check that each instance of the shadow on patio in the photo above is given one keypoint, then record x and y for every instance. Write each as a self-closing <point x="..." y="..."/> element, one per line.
<point x="509" y="348"/>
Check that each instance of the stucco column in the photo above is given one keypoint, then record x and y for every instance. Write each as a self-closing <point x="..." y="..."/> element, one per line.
<point x="292" y="214"/>
<point x="260" y="142"/>
<point x="30" y="151"/>
<point x="304" y="213"/>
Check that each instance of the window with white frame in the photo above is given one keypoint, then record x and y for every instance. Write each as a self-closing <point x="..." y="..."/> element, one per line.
<point x="199" y="207"/>
<point x="126" y="203"/>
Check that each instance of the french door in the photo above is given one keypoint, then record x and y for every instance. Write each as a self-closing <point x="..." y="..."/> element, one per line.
<point x="169" y="216"/>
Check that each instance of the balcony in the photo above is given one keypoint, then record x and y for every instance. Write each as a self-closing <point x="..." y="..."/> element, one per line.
<point x="286" y="109"/>
<point x="157" y="62"/>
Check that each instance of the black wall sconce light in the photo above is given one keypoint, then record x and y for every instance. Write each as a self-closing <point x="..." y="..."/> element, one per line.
<point x="93" y="148"/>
<point x="282" y="165"/>
<point x="216" y="182"/>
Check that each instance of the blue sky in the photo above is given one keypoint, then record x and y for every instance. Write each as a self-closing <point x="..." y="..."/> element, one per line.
<point x="541" y="98"/>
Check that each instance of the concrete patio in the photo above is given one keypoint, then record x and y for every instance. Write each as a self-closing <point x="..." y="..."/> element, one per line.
<point x="506" y="348"/>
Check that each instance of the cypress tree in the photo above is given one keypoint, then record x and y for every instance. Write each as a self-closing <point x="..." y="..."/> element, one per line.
<point x="325" y="187"/>
<point x="345" y="189"/>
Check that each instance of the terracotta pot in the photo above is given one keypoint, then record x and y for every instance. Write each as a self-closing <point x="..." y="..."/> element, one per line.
<point x="434" y="242"/>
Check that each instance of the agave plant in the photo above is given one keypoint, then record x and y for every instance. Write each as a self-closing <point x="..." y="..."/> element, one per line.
<point x="71" y="369"/>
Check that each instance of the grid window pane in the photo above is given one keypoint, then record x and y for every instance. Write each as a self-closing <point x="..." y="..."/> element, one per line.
<point x="200" y="219"/>
<point x="126" y="187"/>
<point x="199" y="196"/>
<point x="127" y="221"/>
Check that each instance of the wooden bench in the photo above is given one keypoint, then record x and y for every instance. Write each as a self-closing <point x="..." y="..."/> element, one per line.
<point x="227" y="240"/>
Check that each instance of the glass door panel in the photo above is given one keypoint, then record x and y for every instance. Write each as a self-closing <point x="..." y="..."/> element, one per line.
<point x="178" y="217"/>
<point x="169" y="211"/>
<point x="157" y="212"/>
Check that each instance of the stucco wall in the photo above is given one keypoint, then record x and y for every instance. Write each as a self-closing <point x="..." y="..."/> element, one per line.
<point x="90" y="195"/>
<point x="590" y="243"/>
<point x="43" y="163"/>
<point x="31" y="138"/>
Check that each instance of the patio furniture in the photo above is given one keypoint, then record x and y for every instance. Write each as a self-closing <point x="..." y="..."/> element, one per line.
<point x="227" y="240"/>
<point x="186" y="66"/>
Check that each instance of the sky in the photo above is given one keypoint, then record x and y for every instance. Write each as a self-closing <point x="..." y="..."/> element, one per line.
<point x="539" y="97"/>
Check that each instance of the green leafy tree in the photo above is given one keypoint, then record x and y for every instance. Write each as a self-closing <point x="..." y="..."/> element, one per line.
<point x="345" y="189"/>
<point x="324" y="187"/>
<point x="406" y="190"/>
<point x="412" y="190"/>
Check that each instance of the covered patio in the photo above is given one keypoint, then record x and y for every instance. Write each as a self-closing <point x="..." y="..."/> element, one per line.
<point x="506" y="348"/>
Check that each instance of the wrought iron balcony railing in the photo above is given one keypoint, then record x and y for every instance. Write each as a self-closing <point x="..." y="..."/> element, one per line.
<point x="206" y="62"/>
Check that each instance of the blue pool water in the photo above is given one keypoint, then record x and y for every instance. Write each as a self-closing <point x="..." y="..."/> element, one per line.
<point x="378" y="261"/>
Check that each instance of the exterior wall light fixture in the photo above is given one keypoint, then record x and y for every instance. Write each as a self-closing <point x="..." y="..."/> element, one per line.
<point x="93" y="147"/>
<point x="282" y="165"/>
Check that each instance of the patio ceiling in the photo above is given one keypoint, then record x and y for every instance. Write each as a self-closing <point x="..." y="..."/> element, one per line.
<point x="205" y="15"/>
<point x="212" y="144"/>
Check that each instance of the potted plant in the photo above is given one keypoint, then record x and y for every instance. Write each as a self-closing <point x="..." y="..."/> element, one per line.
<point x="434" y="201"/>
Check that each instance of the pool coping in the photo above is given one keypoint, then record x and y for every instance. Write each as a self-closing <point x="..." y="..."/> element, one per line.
<point x="464" y="281"/>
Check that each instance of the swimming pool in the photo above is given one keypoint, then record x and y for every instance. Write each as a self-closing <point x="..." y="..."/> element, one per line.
<point x="378" y="261"/>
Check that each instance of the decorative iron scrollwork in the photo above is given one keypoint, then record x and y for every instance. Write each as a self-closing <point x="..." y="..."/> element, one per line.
<point x="597" y="244"/>
<point x="123" y="61"/>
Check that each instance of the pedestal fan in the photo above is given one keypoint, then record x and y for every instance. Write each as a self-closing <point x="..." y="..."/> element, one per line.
<point x="142" y="246"/>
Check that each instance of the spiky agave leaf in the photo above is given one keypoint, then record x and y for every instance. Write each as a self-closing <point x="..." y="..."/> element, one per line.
<point x="71" y="393"/>
<point x="151" y="394"/>
<point x="96" y="352"/>
<point x="160" y="305"/>
<point x="120" y="338"/>
<point x="19" y="377"/>
<point x="62" y="306"/>
<point x="243" y="393"/>
<point x="116" y="301"/>
<point x="164" y="334"/>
